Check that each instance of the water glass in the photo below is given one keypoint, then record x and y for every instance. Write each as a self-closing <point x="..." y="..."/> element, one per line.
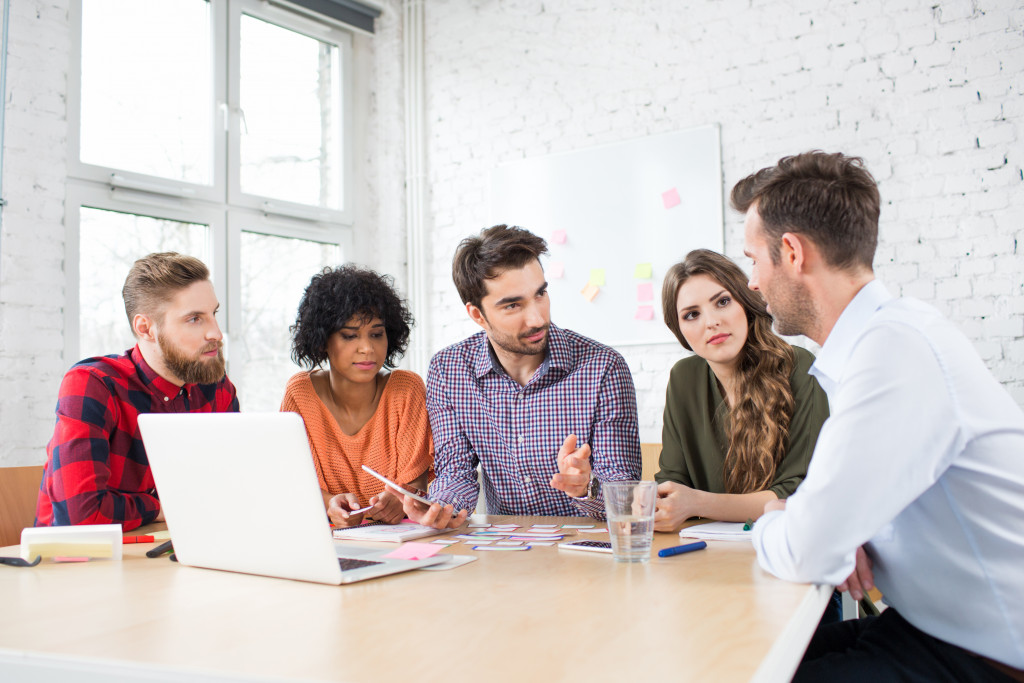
<point x="630" y="509"/>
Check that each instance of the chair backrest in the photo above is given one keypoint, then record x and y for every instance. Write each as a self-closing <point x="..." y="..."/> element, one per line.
<point x="649" y="455"/>
<point x="19" y="490"/>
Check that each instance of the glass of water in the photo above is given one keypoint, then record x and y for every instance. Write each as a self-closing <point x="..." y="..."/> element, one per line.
<point x="630" y="509"/>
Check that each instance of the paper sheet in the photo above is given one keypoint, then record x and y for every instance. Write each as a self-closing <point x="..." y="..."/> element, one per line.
<point x="414" y="551"/>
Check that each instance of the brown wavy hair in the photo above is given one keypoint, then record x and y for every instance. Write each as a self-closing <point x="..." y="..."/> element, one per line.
<point x="758" y="423"/>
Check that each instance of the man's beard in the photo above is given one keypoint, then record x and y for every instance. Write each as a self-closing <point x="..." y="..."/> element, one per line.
<point x="197" y="370"/>
<point x="517" y="345"/>
<point x="792" y="309"/>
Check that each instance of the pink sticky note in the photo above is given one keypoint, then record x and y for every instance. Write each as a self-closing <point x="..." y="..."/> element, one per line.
<point x="556" y="269"/>
<point x="414" y="551"/>
<point x="644" y="313"/>
<point x="644" y="292"/>
<point x="670" y="198"/>
<point x="558" y="237"/>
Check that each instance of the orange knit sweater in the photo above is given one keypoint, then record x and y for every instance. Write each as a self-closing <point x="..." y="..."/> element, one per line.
<point x="395" y="441"/>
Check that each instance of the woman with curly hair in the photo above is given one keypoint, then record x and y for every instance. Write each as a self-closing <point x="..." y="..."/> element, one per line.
<point x="742" y="415"/>
<point x="356" y="412"/>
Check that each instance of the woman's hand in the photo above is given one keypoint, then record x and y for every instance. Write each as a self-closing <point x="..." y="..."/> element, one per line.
<point x="676" y="504"/>
<point x="386" y="507"/>
<point x="340" y="508"/>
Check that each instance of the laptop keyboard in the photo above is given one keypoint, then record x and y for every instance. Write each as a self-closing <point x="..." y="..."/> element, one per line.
<point x="349" y="563"/>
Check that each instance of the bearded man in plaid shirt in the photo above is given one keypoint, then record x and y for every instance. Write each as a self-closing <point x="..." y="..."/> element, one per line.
<point x="546" y="413"/>
<point x="96" y="467"/>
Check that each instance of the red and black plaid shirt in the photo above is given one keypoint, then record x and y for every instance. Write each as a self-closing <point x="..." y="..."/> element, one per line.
<point x="96" y="467"/>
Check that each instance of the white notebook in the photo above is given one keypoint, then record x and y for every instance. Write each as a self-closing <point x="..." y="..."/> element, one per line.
<point x="717" y="531"/>
<point x="380" y="531"/>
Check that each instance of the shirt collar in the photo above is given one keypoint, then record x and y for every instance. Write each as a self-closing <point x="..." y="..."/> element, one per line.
<point x="829" y="365"/>
<point x="558" y="356"/>
<point x="157" y="383"/>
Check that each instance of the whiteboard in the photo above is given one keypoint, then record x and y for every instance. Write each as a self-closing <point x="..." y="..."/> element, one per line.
<point x="605" y="211"/>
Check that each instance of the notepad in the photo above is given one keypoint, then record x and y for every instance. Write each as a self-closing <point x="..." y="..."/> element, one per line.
<point x="717" y="531"/>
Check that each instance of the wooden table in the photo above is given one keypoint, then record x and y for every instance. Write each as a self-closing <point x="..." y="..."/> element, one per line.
<point x="536" y="616"/>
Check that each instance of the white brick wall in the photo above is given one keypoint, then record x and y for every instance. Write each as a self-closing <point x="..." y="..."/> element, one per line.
<point x="32" y="241"/>
<point x="930" y="97"/>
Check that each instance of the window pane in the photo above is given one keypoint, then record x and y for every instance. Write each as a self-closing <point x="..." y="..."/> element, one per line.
<point x="147" y="89"/>
<point x="275" y="272"/>
<point x="290" y="93"/>
<point x="110" y="243"/>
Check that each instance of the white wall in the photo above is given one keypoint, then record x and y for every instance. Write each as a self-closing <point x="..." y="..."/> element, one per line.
<point x="930" y="97"/>
<point x="32" y="281"/>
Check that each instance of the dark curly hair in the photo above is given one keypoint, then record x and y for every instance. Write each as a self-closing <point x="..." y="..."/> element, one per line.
<point x="335" y="296"/>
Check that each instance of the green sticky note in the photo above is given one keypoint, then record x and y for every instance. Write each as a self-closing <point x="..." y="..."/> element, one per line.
<point x="597" y="277"/>
<point x="643" y="271"/>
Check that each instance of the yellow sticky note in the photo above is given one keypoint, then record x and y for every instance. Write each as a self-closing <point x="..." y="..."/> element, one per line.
<point x="597" y="277"/>
<point x="590" y="291"/>
<point x="643" y="271"/>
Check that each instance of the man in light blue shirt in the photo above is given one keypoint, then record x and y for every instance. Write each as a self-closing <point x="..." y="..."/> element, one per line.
<point x="916" y="484"/>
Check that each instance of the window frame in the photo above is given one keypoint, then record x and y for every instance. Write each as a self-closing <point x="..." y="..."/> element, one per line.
<point x="221" y="206"/>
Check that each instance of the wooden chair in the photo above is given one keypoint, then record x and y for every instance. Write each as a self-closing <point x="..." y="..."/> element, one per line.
<point x="649" y="455"/>
<point x="19" y="489"/>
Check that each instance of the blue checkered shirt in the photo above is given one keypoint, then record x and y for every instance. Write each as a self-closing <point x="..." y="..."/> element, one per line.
<point x="480" y="415"/>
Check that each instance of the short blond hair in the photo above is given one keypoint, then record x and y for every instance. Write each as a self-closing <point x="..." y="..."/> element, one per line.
<point x="155" y="279"/>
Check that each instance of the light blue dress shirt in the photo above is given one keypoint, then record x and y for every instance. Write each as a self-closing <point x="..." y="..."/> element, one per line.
<point x="921" y="461"/>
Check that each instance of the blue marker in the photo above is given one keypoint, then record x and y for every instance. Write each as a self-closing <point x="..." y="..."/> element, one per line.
<point x="680" y="549"/>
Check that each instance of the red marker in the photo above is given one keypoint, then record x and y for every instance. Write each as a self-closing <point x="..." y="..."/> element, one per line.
<point x="138" y="539"/>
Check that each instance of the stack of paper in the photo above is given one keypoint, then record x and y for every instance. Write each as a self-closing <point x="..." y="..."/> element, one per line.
<point x="717" y="531"/>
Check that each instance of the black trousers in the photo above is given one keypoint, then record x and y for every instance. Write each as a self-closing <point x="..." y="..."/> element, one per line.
<point x="888" y="648"/>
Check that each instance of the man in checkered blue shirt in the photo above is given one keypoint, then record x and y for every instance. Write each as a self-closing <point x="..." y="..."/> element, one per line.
<point x="547" y="414"/>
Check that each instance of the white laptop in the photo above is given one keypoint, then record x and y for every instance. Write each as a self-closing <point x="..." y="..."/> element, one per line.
<point x="240" y="493"/>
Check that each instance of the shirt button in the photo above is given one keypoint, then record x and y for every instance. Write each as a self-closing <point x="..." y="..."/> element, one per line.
<point x="167" y="398"/>
<point x="519" y="438"/>
<point x="519" y="396"/>
<point x="526" y="480"/>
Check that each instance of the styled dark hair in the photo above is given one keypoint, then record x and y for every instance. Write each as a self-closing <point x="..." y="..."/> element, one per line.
<point x="488" y="255"/>
<point x="759" y="421"/>
<point x="829" y="198"/>
<point x="335" y="296"/>
<point x="154" y="280"/>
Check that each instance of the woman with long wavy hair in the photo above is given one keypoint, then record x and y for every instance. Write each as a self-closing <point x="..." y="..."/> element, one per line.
<point x="741" y="415"/>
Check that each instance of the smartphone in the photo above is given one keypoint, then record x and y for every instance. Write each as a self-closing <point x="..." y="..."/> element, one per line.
<point x="403" y="491"/>
<point x="589" y="546"/>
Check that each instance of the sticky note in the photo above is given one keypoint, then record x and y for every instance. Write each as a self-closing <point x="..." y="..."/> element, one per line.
<point x="556" y="270"/>
<point x="577" y="526"/>
<point x="597" y="277"/>
<point x="542" y="542"/>
<point x="544" y="526"/>
<point x="593" y="531"/>
<point x="643" y="271"/>
<point x="558" y="236"/>
<point x="644" y="291"/>
<point x="644" y="313"/>
<point x="670" y="198"/>
<point x="413" y="551"/>
<point x="590" y="291"/>
<point x="518" y="547"/>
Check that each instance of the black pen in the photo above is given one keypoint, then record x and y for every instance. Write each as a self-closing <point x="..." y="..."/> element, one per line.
<point x="160" y="549"/>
